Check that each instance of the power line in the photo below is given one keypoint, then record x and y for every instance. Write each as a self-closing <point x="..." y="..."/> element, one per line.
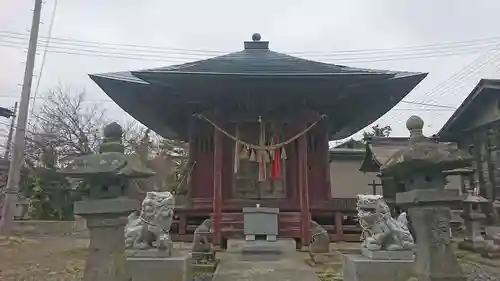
<point x="485" y="42"/>
<point x="115" y="44"/>
<point x="488" y="40"/>
<point x="70" y="47"/>
<point x="464" y="73"/>
<point x="168" y="58"/>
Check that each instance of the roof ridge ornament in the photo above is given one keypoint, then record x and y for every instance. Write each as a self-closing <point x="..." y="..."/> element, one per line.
<point x="256" y="44"/>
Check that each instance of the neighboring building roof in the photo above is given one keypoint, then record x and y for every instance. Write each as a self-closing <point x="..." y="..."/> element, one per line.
<point x="4" y="164"/>
<point x="163" y="98"/>
<point x="352" y="143"/>
<point x="5" y="112"/>
<point x="346" y="153"/>
<point x="379" y="150"/>
<point x="470" y="106"/>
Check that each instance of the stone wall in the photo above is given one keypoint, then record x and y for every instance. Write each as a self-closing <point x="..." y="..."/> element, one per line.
<point x="33" y="227"/>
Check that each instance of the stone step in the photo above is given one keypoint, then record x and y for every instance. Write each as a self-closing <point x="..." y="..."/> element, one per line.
<point x="263" y="247"/>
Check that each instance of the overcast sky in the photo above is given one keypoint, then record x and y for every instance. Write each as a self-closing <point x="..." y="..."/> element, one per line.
<point x="318" y="29"/>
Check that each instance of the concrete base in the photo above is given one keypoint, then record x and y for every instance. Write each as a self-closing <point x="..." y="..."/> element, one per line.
<point x="472" y="245"/>
<point x="388" y="255"/>
<point x="158" y="268"/>
<point x="360" y="268"/>
<point x="491" y="231"/>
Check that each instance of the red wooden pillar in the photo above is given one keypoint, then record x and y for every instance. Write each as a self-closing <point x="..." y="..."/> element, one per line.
<point x="217" y="202"/>
<point x="305" y="215"/>
<point x="328" y="185"/>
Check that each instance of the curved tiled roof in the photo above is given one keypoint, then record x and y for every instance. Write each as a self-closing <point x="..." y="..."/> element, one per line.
<point x="141" y="93"/>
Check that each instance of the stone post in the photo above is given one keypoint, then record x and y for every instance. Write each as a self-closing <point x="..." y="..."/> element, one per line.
<point x="473" y="240"/>
<point x="106" y="219"/>
<point x="106" y="207"/>
<point x="420" y="166"/>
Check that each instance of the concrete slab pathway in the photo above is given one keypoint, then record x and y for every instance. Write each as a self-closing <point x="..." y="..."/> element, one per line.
<point x="235" y="267"/>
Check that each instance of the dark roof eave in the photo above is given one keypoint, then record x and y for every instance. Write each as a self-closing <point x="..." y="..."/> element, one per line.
<point x="363" y="120"/>
<point x="260" y="74"/>
<point x="108" y="82"/>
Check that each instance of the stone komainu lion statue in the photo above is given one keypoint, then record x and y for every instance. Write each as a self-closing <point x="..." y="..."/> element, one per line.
<point x="320" y="242"/>
<point x="202" y="249"/>
<point x="380" y="230"/>
<point x="151" y="226"/>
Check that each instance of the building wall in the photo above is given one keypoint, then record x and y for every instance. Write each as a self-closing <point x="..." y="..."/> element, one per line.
<point x="453" y="182"/>
<point x="347" y="181"/>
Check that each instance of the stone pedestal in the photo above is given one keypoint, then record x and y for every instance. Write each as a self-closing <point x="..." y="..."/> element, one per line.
<point x="435" y="259"/>
<point x="491" y="231"/>
<point x="388" y="255"/>
<point x="260" y="221"/>
<point x="154" y="265"/>
<point x="430" y="217"/>
<point x="474" y="240"/>
<point x="361" y="268"/>
<point x="106" y="219"/>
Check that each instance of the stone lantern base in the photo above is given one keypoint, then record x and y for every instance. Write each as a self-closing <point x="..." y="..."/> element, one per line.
<point x="106" y="219"/>
<point x="474" y="241"/>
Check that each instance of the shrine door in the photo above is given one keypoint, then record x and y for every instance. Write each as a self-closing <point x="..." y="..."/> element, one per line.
<point x="246" y="184"/>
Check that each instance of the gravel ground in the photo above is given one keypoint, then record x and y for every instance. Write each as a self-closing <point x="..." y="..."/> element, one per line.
<point x="50" y="258"/>
<point x="42" y="258"/>
<point x="476" y="272"/>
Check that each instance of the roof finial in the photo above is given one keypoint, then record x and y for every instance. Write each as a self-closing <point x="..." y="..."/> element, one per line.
<point x="256" y="37"/>
<point x="415" y="125"/>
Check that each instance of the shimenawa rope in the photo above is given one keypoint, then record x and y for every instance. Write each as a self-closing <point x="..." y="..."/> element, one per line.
<point x="259" y="147"/>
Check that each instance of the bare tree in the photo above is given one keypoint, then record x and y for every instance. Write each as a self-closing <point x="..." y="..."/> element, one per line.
<point x="66" y="124"/>
<point x="378" y="131"/>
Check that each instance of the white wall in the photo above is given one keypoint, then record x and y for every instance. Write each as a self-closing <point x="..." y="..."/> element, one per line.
<point x="347" y="181"/>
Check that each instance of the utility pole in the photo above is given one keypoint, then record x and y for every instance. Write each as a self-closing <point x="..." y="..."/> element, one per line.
<point x="11" y="132"/>
<point x="12" y="189"/>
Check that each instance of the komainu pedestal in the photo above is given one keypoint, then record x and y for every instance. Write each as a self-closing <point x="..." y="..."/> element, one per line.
<point x="386" y="250"/>
<point x="362" y="268"/>
<point x="154" y="265"/>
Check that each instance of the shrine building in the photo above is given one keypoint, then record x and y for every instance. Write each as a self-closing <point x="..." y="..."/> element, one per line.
<point x="258" y="123"/>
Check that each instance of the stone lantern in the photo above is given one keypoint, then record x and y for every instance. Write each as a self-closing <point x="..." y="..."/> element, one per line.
<point x="473" y="240"/>
<point x="106" y="207"/>
<point x="420" y="166"/>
